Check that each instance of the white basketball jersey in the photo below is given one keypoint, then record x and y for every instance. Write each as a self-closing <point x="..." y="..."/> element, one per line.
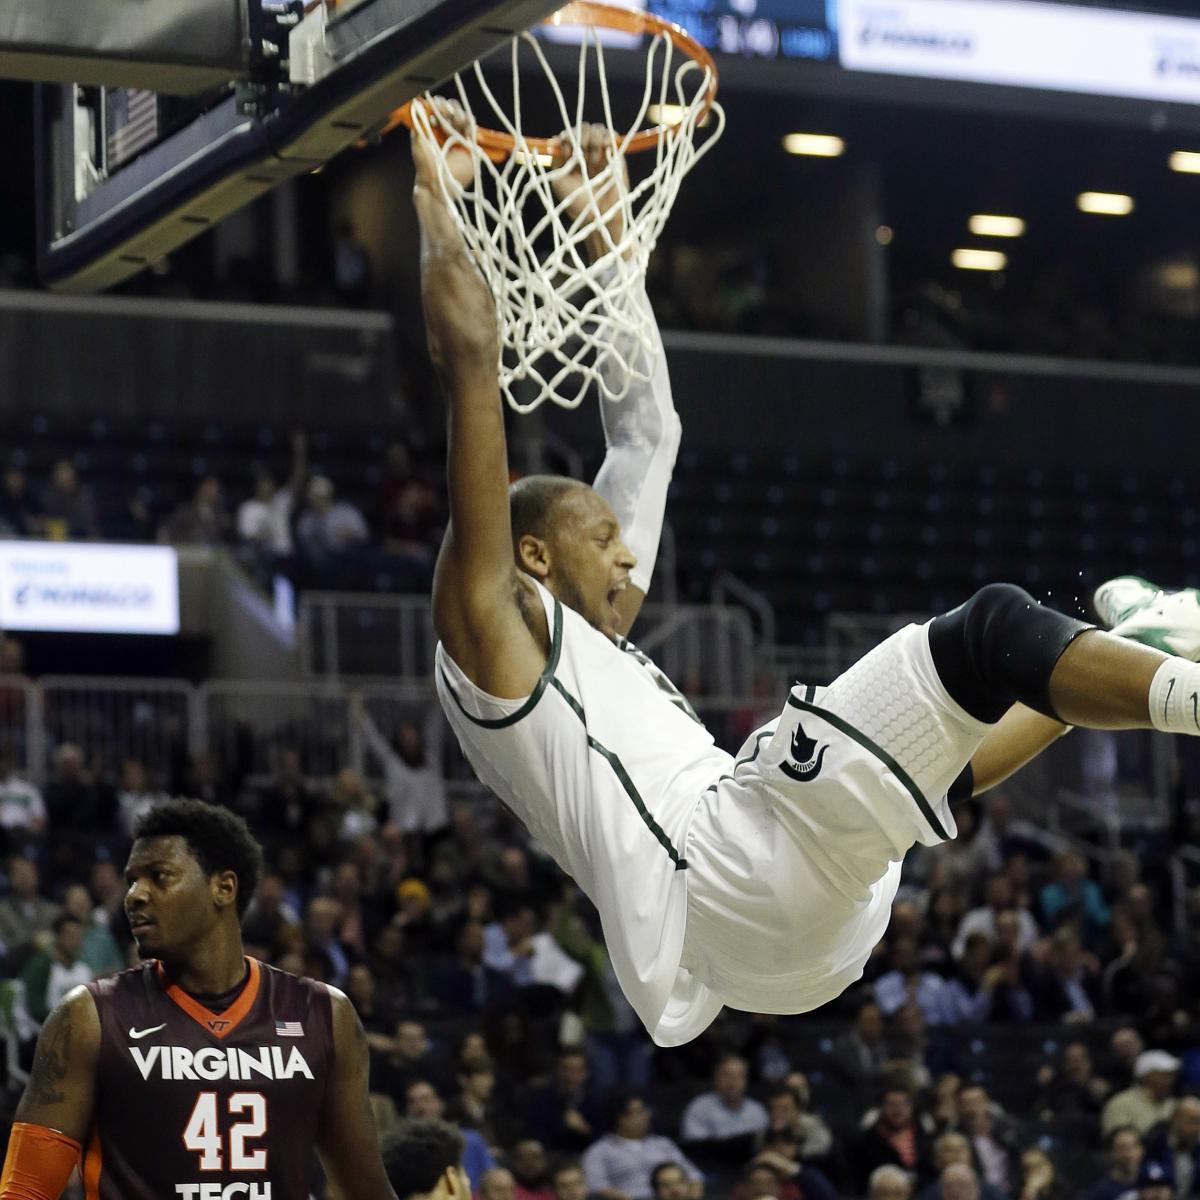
<point x="604" y="763"/>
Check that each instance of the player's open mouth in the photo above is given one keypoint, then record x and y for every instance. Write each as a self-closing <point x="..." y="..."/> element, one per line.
<point x="140" y="926"/>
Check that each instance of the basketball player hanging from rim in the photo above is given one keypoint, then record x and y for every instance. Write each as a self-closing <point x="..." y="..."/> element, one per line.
<point x="202" y="1074"/>
<point x="761" y="882"/>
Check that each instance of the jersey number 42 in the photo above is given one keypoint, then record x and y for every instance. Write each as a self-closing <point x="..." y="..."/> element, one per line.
<point x="229" y="1152"/>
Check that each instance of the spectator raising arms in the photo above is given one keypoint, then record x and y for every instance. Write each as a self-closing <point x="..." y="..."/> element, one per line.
<point x="413" y="781"/>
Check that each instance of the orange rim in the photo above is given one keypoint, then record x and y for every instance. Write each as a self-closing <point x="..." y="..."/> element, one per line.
<point x="498" y="145"/>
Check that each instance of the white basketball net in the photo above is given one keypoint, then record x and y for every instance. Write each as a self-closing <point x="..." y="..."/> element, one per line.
<point x="568" y="323"/>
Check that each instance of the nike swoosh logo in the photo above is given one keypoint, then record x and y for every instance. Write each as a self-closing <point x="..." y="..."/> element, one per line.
<point x="1167" y="697"/>
<point x="1195" y="710"/>
<point x="141" y="1033"/>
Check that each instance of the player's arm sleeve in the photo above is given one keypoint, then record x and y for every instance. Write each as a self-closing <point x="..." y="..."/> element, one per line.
<point x="38" y="1164"/>
<point x="57" y="1107"/>
<point x="642" y="432"/>
<point x="347" y="1141"/>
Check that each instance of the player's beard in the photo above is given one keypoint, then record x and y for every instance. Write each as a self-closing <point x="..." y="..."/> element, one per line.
<point x="573" y="597"/>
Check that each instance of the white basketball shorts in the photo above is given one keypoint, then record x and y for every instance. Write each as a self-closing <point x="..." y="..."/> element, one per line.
<point x="794" y="857"/>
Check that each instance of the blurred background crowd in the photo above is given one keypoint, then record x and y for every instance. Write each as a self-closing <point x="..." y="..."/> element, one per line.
<point x="1025" y="1030"/>
<point x="288" y="518"/>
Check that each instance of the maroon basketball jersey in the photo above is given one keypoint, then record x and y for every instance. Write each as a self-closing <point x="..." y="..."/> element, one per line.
<point x="197" y="1105"/>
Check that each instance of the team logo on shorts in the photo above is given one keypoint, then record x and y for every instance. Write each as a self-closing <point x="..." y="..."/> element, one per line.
<point x="808" y="758"/>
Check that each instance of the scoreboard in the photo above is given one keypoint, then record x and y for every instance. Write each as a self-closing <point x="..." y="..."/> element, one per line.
<point x="798" y="29"/>
<point x="1127" y="53"/>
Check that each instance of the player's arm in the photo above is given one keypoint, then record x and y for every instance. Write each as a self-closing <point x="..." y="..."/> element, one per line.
<point x="347" y="1140"/>
<point x="1020" y="735"/>
<point x="55" y="1114"/>
<point x="476" y="582"/>
<point x="642" y="429"/>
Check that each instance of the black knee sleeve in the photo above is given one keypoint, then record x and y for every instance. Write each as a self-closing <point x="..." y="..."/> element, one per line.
<point x="999" y="649"/>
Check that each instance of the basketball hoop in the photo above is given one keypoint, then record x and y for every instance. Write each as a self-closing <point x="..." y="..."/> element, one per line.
<point x="570" y="318"/>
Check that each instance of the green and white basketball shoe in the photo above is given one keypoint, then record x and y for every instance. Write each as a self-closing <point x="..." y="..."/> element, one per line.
<point x="1123" y="596"/>
<point x="1135" y="608"/>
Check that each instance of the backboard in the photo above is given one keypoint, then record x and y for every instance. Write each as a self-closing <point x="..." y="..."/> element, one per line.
<point x="125" y="176"/>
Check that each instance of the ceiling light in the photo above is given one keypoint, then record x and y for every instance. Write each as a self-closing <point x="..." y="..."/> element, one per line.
<point x="818" y="145"/>
<point x="990" y="225"/>
<point x="884" y="235"/>
<point x="1180" y="276"/>
<point x="673" y="114"/>
<point x="1108" y="204"/>
<point x="1185" y="161"/>
<point x="979" y="260"/>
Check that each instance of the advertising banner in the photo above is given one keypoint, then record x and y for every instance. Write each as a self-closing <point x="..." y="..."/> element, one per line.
<point x="82" y="587"/>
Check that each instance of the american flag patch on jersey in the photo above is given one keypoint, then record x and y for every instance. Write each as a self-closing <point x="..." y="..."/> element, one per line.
<point x="289" y="1029"/>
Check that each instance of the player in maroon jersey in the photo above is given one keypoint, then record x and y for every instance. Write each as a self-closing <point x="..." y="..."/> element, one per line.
<point x="202" y="1074"/>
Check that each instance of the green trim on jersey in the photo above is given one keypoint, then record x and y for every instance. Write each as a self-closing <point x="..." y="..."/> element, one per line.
<point x="534" y="696"/>
<point x="741" y="762"/>
<point x="880" y="753"/>
<point x="624" y="779"/>
<point x="659" y="677"/>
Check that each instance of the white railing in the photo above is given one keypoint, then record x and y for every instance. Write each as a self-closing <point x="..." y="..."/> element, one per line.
<point x="383" y="646"/>
<point x="707" y="649"/>
<point x="114" y="719"/>
<point x="364" y="636"/>
<point x="246" y="724"/>
<point x="20" y="722"/>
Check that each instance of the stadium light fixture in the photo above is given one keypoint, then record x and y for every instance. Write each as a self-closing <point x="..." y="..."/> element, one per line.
<point x="979" y="260"/>
<point x="1186" y="162"/>
<point x="815" y="145"/>
<point x="672" y="114"/>
<point x="1106" y="204"/>
<point x="991" y="225"/>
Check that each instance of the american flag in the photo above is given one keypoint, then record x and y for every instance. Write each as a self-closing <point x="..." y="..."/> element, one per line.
<point x="289" y="1029"/>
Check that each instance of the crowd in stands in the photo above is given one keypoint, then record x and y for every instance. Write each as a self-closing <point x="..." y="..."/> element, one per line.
<point x="1027" y="1029"/>
<point x="293" y="521"/>
<point x="348" y="509"/>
